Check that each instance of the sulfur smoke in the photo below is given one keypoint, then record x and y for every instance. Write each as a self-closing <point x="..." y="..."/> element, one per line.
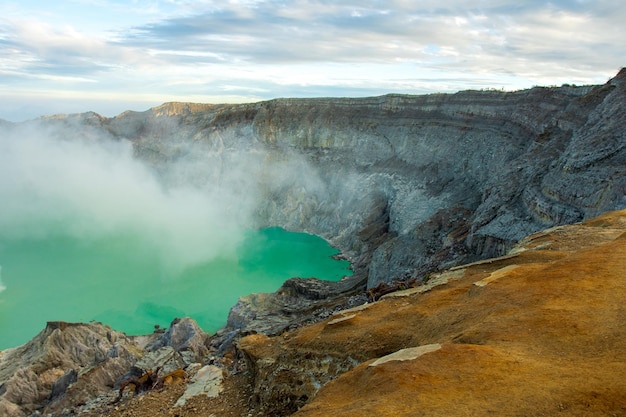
<point x="59" y="179"/>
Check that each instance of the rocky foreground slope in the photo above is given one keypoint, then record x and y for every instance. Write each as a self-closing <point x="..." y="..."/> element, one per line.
<point x="536" y="332"/>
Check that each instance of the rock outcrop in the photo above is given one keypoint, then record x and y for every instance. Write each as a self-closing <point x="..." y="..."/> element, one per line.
<point x="64" y="364"/>
<point x="186" y="337"/>
<point x="67" y="365"/>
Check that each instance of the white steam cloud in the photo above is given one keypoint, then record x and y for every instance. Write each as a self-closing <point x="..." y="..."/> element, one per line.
<point x="71" y="180"/>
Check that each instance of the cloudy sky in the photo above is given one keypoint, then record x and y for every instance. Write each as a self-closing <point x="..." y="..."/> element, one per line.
<point x="112" y="55"/>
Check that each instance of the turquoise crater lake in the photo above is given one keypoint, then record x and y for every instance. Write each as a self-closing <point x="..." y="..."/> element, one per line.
<point x="114" y="281"/>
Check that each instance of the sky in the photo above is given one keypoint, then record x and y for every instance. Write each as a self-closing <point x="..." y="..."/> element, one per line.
<point x="109" y="56"/>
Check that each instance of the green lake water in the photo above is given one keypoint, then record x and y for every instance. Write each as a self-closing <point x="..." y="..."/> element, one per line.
<point x="114" y="281"/>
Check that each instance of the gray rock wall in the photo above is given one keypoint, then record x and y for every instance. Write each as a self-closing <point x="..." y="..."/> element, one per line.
<point x="513" y="163"/>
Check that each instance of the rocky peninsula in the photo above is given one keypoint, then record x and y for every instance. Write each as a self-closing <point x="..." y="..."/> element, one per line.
<point x="429" y="194"/>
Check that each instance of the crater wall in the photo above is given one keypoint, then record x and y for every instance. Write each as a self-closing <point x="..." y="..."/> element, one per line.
<point x="402" y="185"/>
<point x="407" y="184"/>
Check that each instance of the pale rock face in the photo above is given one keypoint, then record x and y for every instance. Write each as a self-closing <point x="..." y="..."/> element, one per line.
<point x="208" y="382"/>
<point x="44" y="372"/>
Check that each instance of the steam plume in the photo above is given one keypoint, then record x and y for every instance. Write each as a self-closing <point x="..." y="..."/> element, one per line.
<point x="75" y="181"/>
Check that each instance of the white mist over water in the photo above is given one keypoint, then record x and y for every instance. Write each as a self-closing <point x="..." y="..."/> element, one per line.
<point x="77" y="182"/>
<point x="90" y="232"/>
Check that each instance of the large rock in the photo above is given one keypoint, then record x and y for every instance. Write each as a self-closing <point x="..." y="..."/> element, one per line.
<point x="206" y="382"/>
<point x="185" y="337"/>
<point x="296" y="301"/>
<point x="63" y="365"/>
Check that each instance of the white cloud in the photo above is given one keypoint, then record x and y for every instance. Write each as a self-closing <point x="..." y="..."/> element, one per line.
<point x="298" y="47"/>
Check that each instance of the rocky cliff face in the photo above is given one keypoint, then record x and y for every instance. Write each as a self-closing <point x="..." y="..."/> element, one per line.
<point x="444" y="178"/>
<point x="68" y="365"/>
<point x="39" y="373"/>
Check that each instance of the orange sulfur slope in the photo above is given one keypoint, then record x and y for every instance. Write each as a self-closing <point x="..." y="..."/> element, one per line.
<point x="539" y="333"/>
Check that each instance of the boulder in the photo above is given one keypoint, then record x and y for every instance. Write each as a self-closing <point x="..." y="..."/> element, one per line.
<point x="185" y="337"/>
